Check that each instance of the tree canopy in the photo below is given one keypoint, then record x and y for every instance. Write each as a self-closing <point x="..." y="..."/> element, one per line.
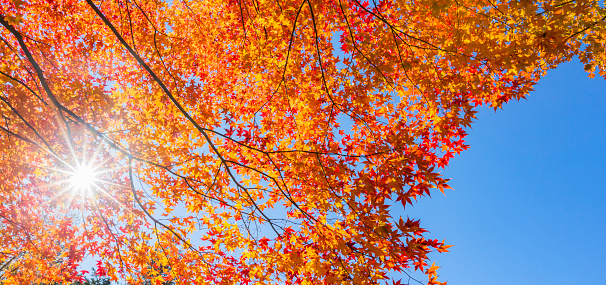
<point x="251" y="141"/>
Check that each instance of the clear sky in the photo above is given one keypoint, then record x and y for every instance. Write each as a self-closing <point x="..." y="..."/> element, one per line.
<point x="529" y="205"/>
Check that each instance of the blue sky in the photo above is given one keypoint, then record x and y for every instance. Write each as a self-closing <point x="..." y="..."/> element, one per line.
<point x="529" y="205"/>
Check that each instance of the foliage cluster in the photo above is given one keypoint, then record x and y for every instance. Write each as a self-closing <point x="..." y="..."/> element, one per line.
<point x="252" y="141"/>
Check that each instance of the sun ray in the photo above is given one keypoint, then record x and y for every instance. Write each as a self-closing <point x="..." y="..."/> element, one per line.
<point x="52" y="169"/>
<point x="114" y="199"/>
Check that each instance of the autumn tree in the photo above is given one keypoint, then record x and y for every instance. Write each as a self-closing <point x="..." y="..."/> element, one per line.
<point x="251" y="141"/>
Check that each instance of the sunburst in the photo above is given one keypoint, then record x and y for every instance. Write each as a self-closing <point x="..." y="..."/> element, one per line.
<point x="83" y="178"/>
